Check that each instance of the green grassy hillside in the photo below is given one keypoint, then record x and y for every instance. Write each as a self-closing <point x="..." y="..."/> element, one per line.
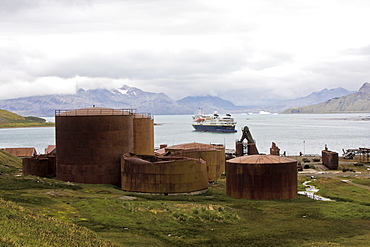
<point x="23" y="220"/>
<point x="356" y="102"/>
<point x="22" y="226"/>
<point x="9" y="164"/>
<point x="47" y="212"/>
<point x="11" y="120"/>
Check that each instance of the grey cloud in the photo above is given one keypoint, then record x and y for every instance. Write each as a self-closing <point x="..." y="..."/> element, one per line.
<point x="10" y="57"/>
<point x="14" y="57"/>
<point x="12" y="7"/>
<point x="363" y="51"/>
<point x="15" y="6"/>
<point x="236" y="65"/>
<point x="144" y="65"/>
<point x="348" y="71"/>
<point x="270" y="59"/>
<point x="132" y="16"/>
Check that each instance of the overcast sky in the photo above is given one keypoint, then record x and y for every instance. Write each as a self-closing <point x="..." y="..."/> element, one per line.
<point x="244" y="51"/>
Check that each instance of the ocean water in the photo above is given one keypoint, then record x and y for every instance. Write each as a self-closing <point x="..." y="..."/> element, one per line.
<point x="306" y="133"/>
<point x="38" y="138"/>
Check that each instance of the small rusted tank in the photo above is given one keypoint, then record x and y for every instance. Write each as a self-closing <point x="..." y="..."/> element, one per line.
<point x="143" y="134"/>
<point x="39" y="165"/>
<point x="330" y="159"/>
<point x="213" y="155"/>
<point x="262" y="177"/>
<point x="165" y="175"/>
<point x="239" y="148"/>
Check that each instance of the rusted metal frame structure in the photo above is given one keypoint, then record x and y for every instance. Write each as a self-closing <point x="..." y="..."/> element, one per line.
<point x="251" y="144"/>
<point x="365" y="154"/>
<point x="143" y="115"/>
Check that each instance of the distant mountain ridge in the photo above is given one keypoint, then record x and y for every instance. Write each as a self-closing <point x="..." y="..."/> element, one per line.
<point x="148" y="102"/>
<point x="209" y="104"/>
<point x="125" y="97"/>
<point x="311" y="99"/>
<point x="356" y="102"/>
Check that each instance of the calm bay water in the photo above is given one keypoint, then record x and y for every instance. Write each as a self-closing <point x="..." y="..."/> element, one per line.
<point x="306" y="133"/>
<point x="292" y="133"/>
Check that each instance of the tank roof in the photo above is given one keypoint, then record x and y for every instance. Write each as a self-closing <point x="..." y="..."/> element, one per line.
<point x="94" y="111"/>
<point x="192" y="145"/>
<point x="261" y="159"/>
<point x="21" y="152"/>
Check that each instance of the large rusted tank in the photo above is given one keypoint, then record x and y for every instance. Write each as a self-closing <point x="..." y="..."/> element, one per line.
<point x="213" y="155"/>
<point x="39" y="165"/>
<point x="262" y="177"/>
<point x="90" y="143"/>
<point x="164" y="175"/>
<point x="143" y="134"/>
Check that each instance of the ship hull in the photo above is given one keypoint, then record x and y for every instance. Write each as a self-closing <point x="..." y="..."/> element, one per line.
<point x="215" y="128"/>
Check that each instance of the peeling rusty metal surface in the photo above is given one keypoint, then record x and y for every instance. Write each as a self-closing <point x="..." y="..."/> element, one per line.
<point x="50" y="149"/>
<point x="165" y="175"/>
<point x="239" y="148"/>
<point x="91" y="141"/>
<point x="192" y="145"/>
<point x="40" y="165"/>
<point x="214" y="158"/>
<point x="143" y="135"/>
<point x="262" y="177"/>
<point x="21" y="152"/>
<point x="213" y="155"/>
<point x="330" y="159"/>
<point x="274" y="150"/>
<point x="89" y="148"/>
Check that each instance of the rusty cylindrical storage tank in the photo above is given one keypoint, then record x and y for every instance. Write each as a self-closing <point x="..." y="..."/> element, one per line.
<point x="213" y="155"/>
<point x="165" y="176"/>
<point x="143" y="134"/>
<point x="90" y="143"/>
<point x="222" y="159"/>
<point x="262" y="177"/>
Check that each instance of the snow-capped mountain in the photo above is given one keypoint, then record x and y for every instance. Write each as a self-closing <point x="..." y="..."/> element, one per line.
<point x="122" y="98"/>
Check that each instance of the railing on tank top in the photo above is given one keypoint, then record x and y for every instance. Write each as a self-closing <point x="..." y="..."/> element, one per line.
<point x="102" y="111"/>
<point x="92" y="112"/>
<point x="143" y="115"/>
